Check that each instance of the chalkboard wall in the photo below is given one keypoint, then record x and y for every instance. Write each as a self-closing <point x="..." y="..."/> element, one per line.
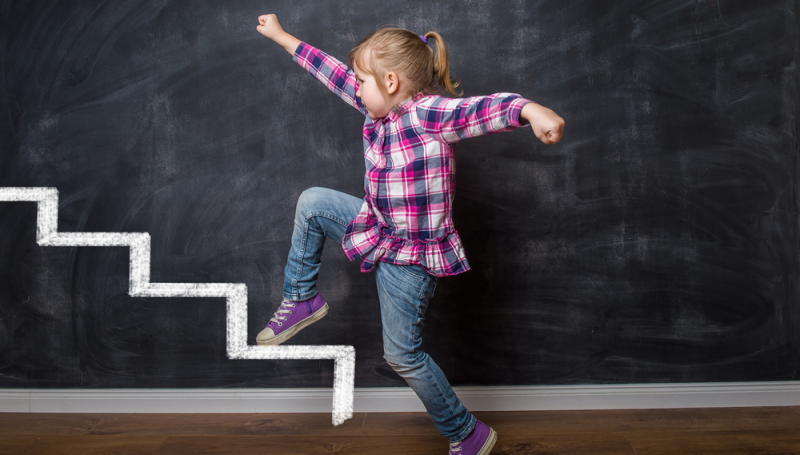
<point x="657" y="242"/>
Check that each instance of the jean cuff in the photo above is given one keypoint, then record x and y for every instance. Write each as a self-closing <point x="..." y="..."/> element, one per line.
<point x="299" y="297"/>
<point x="467" y="430"/>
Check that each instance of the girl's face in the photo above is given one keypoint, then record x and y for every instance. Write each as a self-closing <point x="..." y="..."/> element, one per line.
<point x="370" y="94"/>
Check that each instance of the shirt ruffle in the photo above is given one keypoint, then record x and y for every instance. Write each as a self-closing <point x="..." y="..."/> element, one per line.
<point x="441" y="256"/>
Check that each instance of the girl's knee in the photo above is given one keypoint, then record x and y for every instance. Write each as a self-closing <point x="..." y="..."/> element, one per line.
<point x="311" y="195"/>
<point x="404" y="362"/>
<point x="309" y="200"/>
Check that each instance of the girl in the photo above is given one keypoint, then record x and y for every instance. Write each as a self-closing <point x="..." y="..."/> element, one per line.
<point x="402" y="228"/>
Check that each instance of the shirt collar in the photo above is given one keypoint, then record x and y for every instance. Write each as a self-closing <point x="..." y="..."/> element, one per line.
<point x="402" y="107"/>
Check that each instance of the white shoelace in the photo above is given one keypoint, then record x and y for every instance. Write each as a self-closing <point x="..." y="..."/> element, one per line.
<point x="455" y="447"/>
<point x="280" y="315"/>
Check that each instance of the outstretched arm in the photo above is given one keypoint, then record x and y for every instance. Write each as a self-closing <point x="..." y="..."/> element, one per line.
<point x="452" y="119"/>
<point x="546" y="124"/>
<point x="269" y="26"/>
<point x="335" y="75"/>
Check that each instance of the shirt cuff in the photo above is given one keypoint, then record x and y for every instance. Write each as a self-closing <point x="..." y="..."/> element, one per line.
<point x="516" y="109"/>
<point x="299" y="51"/>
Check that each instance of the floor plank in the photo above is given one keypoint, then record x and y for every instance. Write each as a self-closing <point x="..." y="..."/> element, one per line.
<point x="82" y="444"/>
<point x="305" y="445"/>
<point x="178" y="424"/>
<point x="757" y="442"/>
<point x="533" y="422"/>
<point x="12" y="444"/>
<point x="34" y="423"/>
<point x="594" y="443"/>
<point x="562" y="443"/>
<point x="394" y="423"/>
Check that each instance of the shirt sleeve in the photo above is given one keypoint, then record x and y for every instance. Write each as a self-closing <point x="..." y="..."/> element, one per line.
<point x="452" y="119"/>
<point x="331" y="72"/>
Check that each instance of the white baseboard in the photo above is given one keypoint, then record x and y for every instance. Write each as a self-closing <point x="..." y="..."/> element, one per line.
<point x="403" y="399"/>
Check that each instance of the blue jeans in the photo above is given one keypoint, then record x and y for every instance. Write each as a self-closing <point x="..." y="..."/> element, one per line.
<point x="404" y="292"/>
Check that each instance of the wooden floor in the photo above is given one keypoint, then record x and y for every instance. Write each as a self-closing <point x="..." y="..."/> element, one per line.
<point x="774" y="430"/>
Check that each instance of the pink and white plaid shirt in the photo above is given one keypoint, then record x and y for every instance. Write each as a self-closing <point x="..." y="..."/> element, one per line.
<point x="410" y="180"/>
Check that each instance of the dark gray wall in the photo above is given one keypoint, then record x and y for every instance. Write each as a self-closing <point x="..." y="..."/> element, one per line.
<point x="658" y="242"/>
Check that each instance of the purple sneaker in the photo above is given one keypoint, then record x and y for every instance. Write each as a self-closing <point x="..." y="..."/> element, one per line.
<point x="479" y="442"/>
<point x="291" y="318"/>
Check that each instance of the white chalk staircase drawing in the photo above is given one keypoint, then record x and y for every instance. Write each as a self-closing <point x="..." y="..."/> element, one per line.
<point x="344" y="357"/>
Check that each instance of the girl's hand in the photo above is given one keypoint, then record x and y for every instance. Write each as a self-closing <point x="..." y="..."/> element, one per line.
<point x="269" y="26"/>
<point x="547" y="125"/>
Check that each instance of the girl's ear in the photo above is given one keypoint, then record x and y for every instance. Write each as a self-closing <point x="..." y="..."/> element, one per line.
<point x="392" y="82"/>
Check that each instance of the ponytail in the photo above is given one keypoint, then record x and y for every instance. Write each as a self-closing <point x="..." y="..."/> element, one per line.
<point x="441" y="66"/>
<point x="409" y="55"/>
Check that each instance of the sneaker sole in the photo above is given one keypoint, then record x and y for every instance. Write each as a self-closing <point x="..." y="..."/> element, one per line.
<point x="292" y="331"/>
<point x="487" y="446"/>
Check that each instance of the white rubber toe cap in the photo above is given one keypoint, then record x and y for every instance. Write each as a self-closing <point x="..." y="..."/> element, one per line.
<point x="265" y="335"/>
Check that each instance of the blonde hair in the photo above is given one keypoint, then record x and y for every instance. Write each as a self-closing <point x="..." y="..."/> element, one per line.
<point x="402" y="51"/>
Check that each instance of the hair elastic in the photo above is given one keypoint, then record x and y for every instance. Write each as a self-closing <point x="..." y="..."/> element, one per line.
<point x="424" y="40"/>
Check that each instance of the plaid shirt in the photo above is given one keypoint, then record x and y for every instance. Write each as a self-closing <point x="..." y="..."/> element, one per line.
<point x="410" y="180"/>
